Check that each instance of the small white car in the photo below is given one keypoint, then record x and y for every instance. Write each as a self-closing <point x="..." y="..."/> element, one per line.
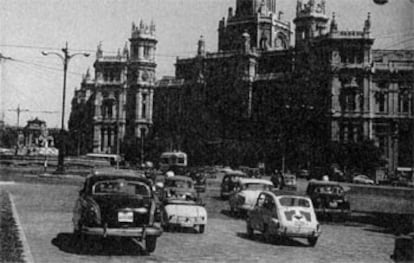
<point x="246" y="192"/>
<point x="279" y="216"/>
<point x="180" y="207"/>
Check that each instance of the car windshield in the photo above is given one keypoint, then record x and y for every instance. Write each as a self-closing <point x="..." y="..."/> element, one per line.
<point x="256" y="186"/>
<point x="329" y="189"/>
<point x="179" y="183"/>
<point x="121" y="187"/>
<point x="294" y="201"/>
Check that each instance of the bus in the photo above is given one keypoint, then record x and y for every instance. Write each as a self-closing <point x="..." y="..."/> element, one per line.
<point x="174" y="161"/>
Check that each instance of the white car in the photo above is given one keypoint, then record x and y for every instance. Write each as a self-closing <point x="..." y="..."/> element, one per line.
<point x="279" y="216"/>
<point x="180" y="207"/>
<point x="362" y="179"/>
<point x="246" y="193"/>
<point x="183" y="213"/>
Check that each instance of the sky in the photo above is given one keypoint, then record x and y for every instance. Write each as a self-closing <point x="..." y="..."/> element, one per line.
<point x="35" y="82"/>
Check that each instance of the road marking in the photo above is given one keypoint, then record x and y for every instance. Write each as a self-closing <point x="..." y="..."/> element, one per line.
<point x="7" y="182"/>
<point x="27" y="254"/>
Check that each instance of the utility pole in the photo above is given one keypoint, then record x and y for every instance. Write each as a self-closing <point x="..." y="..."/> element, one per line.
<point x="65" y="60"/>
<point x="2" y="59"/>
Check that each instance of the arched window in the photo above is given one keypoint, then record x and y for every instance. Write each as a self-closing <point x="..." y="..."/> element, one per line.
<point x="280" y="42"/>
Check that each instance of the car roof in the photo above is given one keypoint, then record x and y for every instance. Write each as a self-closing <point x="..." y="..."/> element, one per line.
<point x="320" y="182"/>
<point x="278" y="194"/>
<point x="254" y="181"/>
<point x="112" y="173"/>
<point x="178" y="177"/>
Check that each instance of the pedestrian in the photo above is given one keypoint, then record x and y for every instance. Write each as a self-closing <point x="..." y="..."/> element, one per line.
<point x="275" y="178"/>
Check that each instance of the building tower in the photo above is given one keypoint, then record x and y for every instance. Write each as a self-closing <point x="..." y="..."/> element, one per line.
<point x="141" y="75"/>
<point x="311" y="21"/>
<point x="257" y="18"/>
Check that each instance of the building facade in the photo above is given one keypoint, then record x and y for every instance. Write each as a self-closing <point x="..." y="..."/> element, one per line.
<point x="113" y="109"/>
<point x="260" y="98"/>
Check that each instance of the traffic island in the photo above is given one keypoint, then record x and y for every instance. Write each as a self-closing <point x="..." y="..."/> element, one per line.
<point x="11" y="247"/>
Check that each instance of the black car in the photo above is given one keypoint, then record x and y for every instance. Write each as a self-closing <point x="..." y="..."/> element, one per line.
<point x="117" y="203"/>
<point x="328" y="198"/>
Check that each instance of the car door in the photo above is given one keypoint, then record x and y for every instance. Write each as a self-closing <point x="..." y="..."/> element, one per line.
<point x="255" y="216"/>
<point x="268" y="211"/>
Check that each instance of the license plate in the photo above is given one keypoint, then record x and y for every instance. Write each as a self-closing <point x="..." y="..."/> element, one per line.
<point x="125" y="217"/>
<point x="187" y="222"/>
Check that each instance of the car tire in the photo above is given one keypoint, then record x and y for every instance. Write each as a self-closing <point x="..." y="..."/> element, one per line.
<point x="312" y="241"/>
<point x="250" y="231"/>
<point x="201" y="229"/>
<point x="150" y="243"/>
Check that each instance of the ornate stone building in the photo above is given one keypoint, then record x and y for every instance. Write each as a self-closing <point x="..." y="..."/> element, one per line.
<point x="115" y="107"/>
<point x="272" y="101"/>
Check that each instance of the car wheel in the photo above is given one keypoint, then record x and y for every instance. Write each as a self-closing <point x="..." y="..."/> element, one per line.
<point x="249" y="230"/>
<point x="312" y="241"/>
<point x="150" y="243"/>
<point x="201" y="229"/>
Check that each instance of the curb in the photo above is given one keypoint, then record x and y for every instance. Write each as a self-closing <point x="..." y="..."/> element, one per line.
<point x="27" y="254"/>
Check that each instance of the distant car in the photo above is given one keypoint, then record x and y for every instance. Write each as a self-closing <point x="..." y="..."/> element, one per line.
<point x="246" y="192"/>
<point x="288" y="182"/>
<point x="229" y="181"/>
<point x="362" y="179"/>
<point x="117" y="203"/>
<point x="200" y="180"/>
<point x="328" y="198"/>
<point x="279" y="216"/>
<point x="303" y="173"/>
<point x="180" y="206"/>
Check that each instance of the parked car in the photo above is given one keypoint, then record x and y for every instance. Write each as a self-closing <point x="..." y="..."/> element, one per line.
<point x="246" y="192"/>
<point x="200" y="180"/>
<point x="288" y="182"/>
<point x="328" y="198"/>
<point x="279" y="215"/>
<point x="117" y="203"/>
<point x="229" y="181"/>
<point x="303" y="173"/>
<point x="362" y="179"/>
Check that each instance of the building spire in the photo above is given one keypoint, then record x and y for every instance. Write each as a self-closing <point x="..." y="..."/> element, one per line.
<point x="367" y="24"/>
<point x="201" y="51"/>
<point x="334" y="25"/>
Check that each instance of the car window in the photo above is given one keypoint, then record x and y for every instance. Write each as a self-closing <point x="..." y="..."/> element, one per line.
<point x="256" y="186"/>
<point x="121" y="187"/>
<point x="178" y="183"/>
<point x="294" y="201"/>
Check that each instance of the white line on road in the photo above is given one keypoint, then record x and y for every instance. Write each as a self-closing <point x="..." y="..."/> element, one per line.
<point x="7" y="182"/>
<point x="26" y="249"/>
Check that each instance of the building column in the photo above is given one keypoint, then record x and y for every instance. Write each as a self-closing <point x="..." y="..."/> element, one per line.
<point x="96" y="138"/>
<point x="150" y="105"/>
<point x="98" y="104"/>
<point x="138" y="105"/>
<point x="105" y="140"/>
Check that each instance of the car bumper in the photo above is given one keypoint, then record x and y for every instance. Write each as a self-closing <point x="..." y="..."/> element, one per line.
<point x="122" y="232"/>
<point x="183" y="222"/>
<point x="332" y="211"/>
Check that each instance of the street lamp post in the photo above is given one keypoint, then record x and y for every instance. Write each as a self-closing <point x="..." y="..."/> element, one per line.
<point x="65" y="59"/>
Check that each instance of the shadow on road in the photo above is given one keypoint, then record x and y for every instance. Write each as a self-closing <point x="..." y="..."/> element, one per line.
<point x="234" y="215"/>
<point x="69" y="243"/>
<point x="282" y="242"/>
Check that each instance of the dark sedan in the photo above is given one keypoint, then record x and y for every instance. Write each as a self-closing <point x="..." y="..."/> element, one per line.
<point x="117" y="203"/>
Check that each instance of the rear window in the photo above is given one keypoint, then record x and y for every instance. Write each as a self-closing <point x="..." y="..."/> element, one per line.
<point x="179" y="183"/>
<point x="256" y="186"/>
<point x="294" y="201"/>
<point x="121" y="187"/>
